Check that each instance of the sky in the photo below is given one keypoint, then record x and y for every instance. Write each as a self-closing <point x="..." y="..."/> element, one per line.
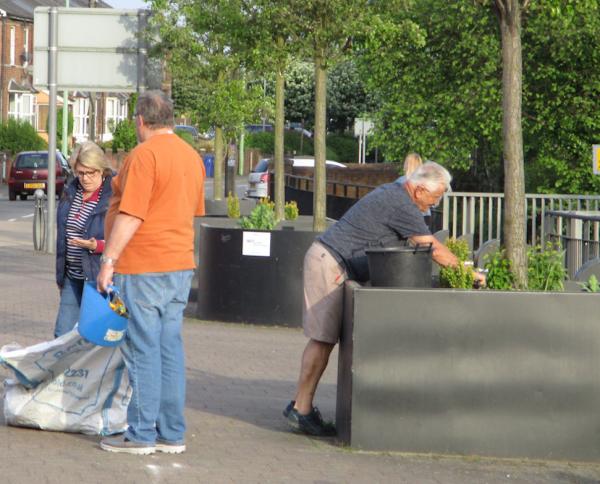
<point x="127" y="3"/>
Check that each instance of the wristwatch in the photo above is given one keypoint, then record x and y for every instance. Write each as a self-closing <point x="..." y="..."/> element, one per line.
<point x="107" y="260"/>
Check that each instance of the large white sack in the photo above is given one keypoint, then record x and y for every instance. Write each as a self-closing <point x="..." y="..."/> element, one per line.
<point x="67" y="384"/>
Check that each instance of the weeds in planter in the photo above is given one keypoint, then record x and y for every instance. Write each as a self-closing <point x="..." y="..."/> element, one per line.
<point x="546" y="271"/>
<point x="592" y="284"/>
<point x="291" y="210"/>
<point x="499" y="276"/>
<point x="233" y="206"/>
<point x="461" y="276"/>
<point x="262" y="216"/>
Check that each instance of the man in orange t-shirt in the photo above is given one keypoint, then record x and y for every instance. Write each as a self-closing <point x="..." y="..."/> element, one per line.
<point x="150" y="254"/>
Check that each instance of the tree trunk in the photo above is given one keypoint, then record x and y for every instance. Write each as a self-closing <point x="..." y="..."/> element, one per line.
<point x="319" y="176"/>
<point x="218" y="187"/>
<point x="279" y="194"/>
<point x="514" y="172"/>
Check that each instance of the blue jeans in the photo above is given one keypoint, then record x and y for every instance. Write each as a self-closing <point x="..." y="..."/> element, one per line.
<point x="153" y="353"/>
<point x="68" y="309"/>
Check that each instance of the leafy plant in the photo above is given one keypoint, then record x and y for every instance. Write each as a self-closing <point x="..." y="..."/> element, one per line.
<point x="291" y="210"/>
<point x="546" y="271"/>
<point x="592" y="284"/>
<point x="262" y="216"/>
<point x="499" y="276"/>
<point x="460" y="276"/>
<point x="233" y="206"/>
<point x="124" y="136"/>
<point x="18" y="136"/>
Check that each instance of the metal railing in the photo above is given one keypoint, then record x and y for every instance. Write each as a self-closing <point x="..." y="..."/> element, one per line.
<point x="482" y="214"/>
<point x="578" y="233"/>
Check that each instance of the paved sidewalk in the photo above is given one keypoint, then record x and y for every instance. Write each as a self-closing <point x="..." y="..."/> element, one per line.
<point x="239" y="379"/>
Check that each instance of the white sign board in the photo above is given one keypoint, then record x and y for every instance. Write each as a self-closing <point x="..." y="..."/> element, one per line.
<point x="256" y="244"/>
<point x="596" y="159"/>
<point x="362" y="127"/>
<point x="98" y="49"/>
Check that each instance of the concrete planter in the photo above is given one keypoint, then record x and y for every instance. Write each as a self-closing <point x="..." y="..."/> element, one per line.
<point x="235" y="286"/>
<point x="506" y="374"/>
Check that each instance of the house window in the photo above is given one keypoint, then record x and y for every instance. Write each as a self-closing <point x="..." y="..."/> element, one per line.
<point x="26" y="47"/>
<point x="12" y="46"/>
<point x="81" y="117"/>
<point x="21" y="106"/>
<point x="116" y="111"/>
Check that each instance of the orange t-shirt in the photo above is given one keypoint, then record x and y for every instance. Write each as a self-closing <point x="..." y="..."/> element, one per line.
<point x="162" y="183"/>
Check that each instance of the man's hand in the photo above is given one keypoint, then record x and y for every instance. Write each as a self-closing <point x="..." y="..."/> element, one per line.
<point x="480" y="279"/>
<point x="105" y="277"/>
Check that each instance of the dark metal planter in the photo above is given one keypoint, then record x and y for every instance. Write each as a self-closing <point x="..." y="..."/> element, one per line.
<point x="506" y="374"/>
<point x="233" y="287"/>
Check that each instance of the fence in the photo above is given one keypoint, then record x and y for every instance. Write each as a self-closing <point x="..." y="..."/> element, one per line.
<point x="482" y="214"/>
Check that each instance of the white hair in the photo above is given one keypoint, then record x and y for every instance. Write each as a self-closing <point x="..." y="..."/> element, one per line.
<point x="431" y="175"/>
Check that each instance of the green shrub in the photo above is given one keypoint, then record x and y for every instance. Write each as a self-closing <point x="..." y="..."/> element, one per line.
<point x="545" y="269"/>
<point x="461" y="276"/>
<point x="499" y="276"/>
<point x="233" y="206"/>
<point x="185" y="136"/>
<point x="291" y="210"/>
<point x="592" y="284"/>
<point x="265" y="142"/>
<point x="16" y="136"/>
<point x="262" y="217"/>
<point x="345" y="147"/>
<point x="124" y="136"/>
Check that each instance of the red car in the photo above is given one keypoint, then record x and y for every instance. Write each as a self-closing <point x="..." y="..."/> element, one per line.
<point x="29" y="172"/>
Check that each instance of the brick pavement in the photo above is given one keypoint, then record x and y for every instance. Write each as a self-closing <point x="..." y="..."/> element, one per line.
<point x="239" y="379"/>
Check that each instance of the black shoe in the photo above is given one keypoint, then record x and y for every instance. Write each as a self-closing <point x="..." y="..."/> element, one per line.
<point x="311" y="424"/>
<point x="289" y="408"/>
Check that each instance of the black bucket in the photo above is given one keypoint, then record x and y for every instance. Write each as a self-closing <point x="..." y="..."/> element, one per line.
<point x="403" y="266"/>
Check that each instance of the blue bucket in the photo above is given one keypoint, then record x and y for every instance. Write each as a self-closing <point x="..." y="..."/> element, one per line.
<point x="98" y="323"/>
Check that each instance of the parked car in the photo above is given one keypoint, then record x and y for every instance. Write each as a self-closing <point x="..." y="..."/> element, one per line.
<point x="293" y="126"/>
<point x="29" y="172"/>
<point x="185" y="128"/>
<point x="259" y="177"/>
<point x="257" y="128"/>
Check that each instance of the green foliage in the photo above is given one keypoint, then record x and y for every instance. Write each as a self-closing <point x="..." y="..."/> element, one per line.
<point x="262" y="217"/>
<point x="546" y="271"/>
<point x="460" y="276"/>
<point x="185" y="136"/>
<point x="592" y="284"/>
<point x="499" y="276"/>
<point x="124" y="136"/>
<point x="59" y="124"/>
<point x="435" y="68"/>
<point x="16" y="136"/>
<point x="291" y="210"/>
<point x="233" y="206"/>
<point x="339" y="147"/>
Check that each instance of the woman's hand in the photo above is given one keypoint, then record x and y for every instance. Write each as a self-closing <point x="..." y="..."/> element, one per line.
<point x="89" y="244"/>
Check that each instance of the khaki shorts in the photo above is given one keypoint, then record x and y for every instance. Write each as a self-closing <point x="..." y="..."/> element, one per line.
<point x="323" y="295"/>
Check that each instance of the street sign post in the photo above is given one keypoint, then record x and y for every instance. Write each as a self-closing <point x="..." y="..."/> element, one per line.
<point x="87" y="49"/>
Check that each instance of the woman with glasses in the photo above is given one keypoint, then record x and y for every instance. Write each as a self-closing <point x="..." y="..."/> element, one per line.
<point x="80" y="235"/>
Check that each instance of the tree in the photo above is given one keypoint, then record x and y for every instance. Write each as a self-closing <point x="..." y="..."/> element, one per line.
<point x="326" y="28"/>
<point x="509" y="15"/>
<point x="205" y="44"/>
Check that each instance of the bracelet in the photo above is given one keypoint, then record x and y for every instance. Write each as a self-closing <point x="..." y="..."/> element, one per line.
<point x="107" y="260"/>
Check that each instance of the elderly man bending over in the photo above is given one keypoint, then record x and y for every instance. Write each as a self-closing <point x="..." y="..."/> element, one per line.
<point x="390" y="213"/>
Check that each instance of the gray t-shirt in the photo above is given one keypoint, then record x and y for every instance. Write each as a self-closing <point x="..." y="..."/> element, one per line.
<point x="380" y="219"/>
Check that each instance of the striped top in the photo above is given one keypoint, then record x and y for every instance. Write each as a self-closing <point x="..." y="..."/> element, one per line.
<point x="79" y="213"/>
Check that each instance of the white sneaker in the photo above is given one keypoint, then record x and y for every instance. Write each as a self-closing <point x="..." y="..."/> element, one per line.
<point x="169" y="447"/>
<point x="121" y="444"/>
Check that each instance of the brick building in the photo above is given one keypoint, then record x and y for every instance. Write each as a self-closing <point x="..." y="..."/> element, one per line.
<point x="18" y="98"/>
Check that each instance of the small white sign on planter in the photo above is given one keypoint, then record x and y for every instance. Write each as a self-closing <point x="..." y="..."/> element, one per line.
<point x="256" y="244"/>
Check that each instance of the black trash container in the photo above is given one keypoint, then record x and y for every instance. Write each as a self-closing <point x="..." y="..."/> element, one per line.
<point x="403" y="266"/>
